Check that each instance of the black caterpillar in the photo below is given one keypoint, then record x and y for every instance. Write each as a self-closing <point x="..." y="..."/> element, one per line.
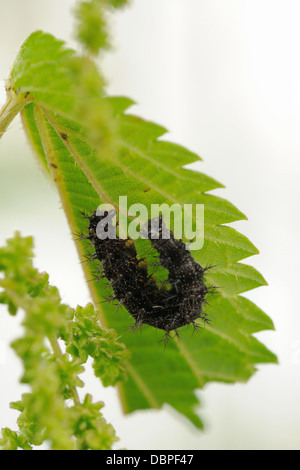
<point x="160" y="307"/>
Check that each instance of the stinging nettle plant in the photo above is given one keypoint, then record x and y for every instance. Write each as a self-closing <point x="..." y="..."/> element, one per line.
<point x="93" y="150"/>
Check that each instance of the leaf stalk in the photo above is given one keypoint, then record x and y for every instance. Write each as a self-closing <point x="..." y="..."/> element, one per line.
<point x="14" y="104"/>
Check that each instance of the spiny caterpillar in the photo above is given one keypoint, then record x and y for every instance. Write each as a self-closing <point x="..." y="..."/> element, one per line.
<point x="158" y="306"/>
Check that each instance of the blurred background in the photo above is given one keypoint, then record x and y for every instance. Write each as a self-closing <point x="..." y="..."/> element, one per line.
<point x="224" y="77"/>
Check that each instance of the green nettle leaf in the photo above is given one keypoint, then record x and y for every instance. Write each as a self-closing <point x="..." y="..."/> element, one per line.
<point x="148" y="170"/>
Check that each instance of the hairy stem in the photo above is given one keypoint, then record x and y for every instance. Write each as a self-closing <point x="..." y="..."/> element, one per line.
<point x="14" y="104"/>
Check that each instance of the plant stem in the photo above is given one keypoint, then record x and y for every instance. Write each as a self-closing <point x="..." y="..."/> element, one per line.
<point x="14" y="104"/>
<point x="57" y="351"/>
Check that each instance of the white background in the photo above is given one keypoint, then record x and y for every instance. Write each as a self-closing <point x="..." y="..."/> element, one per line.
<point x="223" y="76"/>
